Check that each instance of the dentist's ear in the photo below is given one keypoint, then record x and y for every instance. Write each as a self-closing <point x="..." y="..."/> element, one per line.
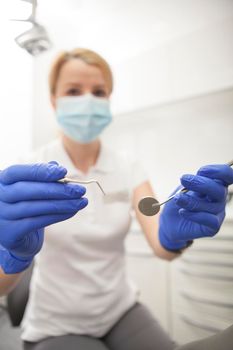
<point x="53" y="101"/>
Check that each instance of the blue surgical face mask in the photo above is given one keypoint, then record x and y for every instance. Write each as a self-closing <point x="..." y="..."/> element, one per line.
<point x="83" y="118"/>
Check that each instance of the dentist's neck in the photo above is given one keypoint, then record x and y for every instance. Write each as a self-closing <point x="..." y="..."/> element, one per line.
<point x="83" y="156"/>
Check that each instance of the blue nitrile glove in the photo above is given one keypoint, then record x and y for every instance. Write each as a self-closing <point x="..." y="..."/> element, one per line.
<point x="31" y="199"/>
<point x="198" y="212"/>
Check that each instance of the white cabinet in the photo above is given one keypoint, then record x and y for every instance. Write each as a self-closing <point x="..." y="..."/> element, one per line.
<point x="202" y="287"/>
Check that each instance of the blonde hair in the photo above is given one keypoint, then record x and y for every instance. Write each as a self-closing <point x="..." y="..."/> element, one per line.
<point x="87" y="56"/>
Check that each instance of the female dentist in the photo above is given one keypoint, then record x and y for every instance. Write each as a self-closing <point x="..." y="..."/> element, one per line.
<point x="80" y="295"/>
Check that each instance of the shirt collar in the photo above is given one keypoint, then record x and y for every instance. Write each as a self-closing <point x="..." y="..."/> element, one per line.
<point x="104" y="163"/>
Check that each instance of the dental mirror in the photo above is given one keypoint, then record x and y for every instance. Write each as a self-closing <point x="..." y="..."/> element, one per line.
<point x="149" y="206"/>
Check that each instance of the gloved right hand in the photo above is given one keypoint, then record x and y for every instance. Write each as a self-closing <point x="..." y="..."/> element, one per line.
<point x="31" y="199"/>
<point x="198" y="212"/>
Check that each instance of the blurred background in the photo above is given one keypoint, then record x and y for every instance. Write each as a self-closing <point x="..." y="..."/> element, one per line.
<point x="173" y="107"/>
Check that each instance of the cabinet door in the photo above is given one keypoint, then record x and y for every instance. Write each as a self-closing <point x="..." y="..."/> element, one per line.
<point x="202" y="287"/>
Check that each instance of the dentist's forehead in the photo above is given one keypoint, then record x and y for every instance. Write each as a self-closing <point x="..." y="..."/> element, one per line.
<point x="76" y="70"/>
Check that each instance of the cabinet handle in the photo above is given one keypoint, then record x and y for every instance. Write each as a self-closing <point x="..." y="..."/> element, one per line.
<point x="198" y="261"/>
<point x="206" y="275"/>
<point x="205" y="301"/>
<point x="211" y="249"/>
<point x="197" y="324"/>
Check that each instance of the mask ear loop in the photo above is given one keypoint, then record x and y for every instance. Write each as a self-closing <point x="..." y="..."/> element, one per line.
<point x="65" y="180"/>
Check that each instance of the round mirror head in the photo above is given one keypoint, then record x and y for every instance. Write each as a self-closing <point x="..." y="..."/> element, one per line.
<point x="149" y="206"/>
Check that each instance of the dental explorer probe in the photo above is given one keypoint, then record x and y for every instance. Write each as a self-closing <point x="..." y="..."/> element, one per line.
<point x="150" y="206"/>
<point x="65" y="180"/>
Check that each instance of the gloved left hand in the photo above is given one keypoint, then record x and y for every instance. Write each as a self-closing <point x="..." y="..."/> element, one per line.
<point x="198" y="212"/>
<point x="31" y="199"/>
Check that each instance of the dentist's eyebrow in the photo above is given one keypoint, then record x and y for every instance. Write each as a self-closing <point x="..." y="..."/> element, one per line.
<point x="73" y="84"/>
<point x="100" y="86"/>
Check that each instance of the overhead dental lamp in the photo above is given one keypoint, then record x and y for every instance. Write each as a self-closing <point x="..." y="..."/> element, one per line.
<point x="35" y="40"/>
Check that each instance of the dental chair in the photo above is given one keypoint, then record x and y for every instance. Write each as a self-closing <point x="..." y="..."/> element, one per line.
<point x="18" y="298"/>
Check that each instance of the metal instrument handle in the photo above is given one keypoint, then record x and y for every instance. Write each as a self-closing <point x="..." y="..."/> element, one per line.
<point x="67" y="180"/>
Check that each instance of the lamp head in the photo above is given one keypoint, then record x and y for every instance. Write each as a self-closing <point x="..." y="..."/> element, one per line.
<point x="34" y="40"/>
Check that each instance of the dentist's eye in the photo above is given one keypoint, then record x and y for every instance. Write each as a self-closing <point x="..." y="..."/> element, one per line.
<point x="99" y="93"/>
<point x="73" y="92"/>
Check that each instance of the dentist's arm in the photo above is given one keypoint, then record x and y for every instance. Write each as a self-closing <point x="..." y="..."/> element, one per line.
<point x="8" y="282"/>
<point x="150" y="224"/>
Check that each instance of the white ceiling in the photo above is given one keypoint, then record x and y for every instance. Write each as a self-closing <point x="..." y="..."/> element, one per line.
<point x="121" y="28"/>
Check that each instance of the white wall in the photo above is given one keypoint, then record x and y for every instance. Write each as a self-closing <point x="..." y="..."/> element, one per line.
<point x="195" y="63"/>
<point x="15" y="91"/>
<point x="176" y="138"/>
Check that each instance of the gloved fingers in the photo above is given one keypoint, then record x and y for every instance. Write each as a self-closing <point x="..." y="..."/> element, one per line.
<point x="19" y="228"/>
<point x="26" y="191"/>
<point x="222" y="172"/>
<point x="37" y="222"/>
<point x="26" y="209"/>
<point x="204" y="186"/>
<point x="27" y="247"/>
<point x="42" y="172"/>
<point x="193" y="203"/>
<point x="53" y="162"/>
<point x="209" y="223"/>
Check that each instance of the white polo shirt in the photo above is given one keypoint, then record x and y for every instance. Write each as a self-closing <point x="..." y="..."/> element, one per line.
<point x="80" y="283"/>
